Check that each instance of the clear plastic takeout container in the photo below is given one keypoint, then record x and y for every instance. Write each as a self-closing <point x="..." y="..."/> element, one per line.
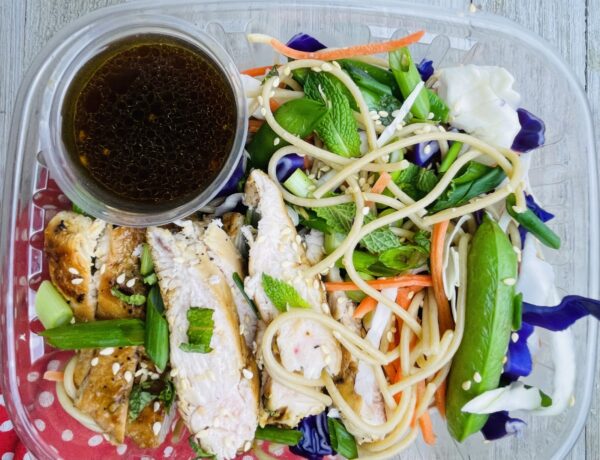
<point x="563" y="177"/>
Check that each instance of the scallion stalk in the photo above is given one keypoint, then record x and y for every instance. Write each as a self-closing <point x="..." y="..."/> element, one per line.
<point x="146" y="262"/>
<point x="408" y="77"/>
<point x="157" y="329"/>
<point x="451" y="156"/>
<point x="240" y="285"/>
<point x="97" y="334"/>
<point x="299" y="184"/>
<point x="278" y="435"/>
<point x="51" y="307"/>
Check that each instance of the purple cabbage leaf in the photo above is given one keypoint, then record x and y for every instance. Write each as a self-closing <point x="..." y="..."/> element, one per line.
<point x="425" y="68"/>
<point x="500" y="424"/>
<point x="305" y="42"/>
<point x="287" y="165"/>
<point x="315" y="441"/>
<point x="519" y="363"/>
<point x="532" y="133"/>
<point x="560" y="317"/>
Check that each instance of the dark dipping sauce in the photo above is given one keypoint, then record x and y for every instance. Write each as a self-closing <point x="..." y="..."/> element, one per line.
<point x="151" y="118"/>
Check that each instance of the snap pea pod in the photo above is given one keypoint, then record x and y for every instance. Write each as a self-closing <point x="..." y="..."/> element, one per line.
<point x="408" y="77"/>
<point x="298" y="116"/>
<point x="533" y="224"/>
<point x="380" y="74"/>
<point x="478" y="363"/>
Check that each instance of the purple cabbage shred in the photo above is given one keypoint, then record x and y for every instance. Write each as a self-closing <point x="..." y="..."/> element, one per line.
<point x="231" y="186"/>
<point x="425" y="68"/>
<point x="519" y="362"/>
<point x="500" y="424"/>
<point x="423" y="153"/>
<point x="560" y="317"/>
<point x="305" y="42"/>
<point x="315" y="438"/>
<point x="532" y="133"/>
<point x="287" y="165"/>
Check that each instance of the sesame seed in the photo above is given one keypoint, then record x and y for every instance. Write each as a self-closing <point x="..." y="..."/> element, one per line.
<point x="315" y="69"/>
<point x="316" y="284"/>
<point x="509" y="281"/>
<point x="276" y="141"/>
<point x="247" y="373"/>
<point x="128" y="376"/>
<point x="276" y="81"/>
<point x="263" y="111"/>
<point x="156" y="428"/>
<point x="427" y="149"/>
<point x="337" y="64"/>
<point x="390" y="336"/>
<point x="326" y="67"/>
<point x="514" y="337"/>
<point x="298" y="239"/>
<point x="411" y="294"/>
<point x="287" y="71"/>
<point x="102" y="269"/>
<point x="94" y="361"/>
<point x="115" y="368"/>
<point x="375" y="117"/>
<point x="73" y="271"/>
<point x="477" y="377"/>
<point x="174" y="372"/>
<point x="325" y="308"/>
<point x="430" y="116"/>
<point x="107" y="351"/>
<point x="504" y="359"/>
<point x="466" y="385"/>
<point x="156" y="406"/>
<point x="260" y="100"/>
<point x="121" y="278"/>
<point x="272" y="94"/>
<point x="341" y="301"/>
<point x="378" y="123"/>
<point x="247" y="446"/>
<point x="130" y="283"/>
<point x="383" y="113"/>
<point x="365" y="210"/>
<point x="77" y="281"/>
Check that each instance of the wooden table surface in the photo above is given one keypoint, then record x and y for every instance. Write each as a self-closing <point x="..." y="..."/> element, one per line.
<point x="571" y="26"/>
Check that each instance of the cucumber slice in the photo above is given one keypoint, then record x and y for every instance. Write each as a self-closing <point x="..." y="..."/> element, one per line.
<point x="51" y="307"/>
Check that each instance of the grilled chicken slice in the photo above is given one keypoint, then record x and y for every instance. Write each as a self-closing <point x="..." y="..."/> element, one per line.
<point x="303" y="346"/>
<point x="104" y="392"/>
<point x="217" y="391"/>
<point x="121" y="269"/>
<point x="227" y="258"/>
<point x="357" y="379"/>
<point x="70" y="241"/>
<point x="232" y="224"/>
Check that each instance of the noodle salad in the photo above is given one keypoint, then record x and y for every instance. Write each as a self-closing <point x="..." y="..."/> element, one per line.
<point x="374" y="259"/>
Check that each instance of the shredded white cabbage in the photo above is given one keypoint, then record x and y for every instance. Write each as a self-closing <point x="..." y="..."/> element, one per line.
<point x="511" y="397"/>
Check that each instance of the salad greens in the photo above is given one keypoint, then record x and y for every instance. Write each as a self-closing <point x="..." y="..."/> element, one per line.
<point x="133" y="299"/>
<point x="282" y="294"/>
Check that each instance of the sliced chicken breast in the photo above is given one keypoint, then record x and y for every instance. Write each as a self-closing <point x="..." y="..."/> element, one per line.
<point x="70" y="241"/>
<point x="120" y="269"/>
<point x="217" y="391"/>
<point x="303" y="346"/>
<point x="227" y="258"/>
<point x="232" y="224"/>
<point x="357" y="379"/>
<point x="104" y="392"/>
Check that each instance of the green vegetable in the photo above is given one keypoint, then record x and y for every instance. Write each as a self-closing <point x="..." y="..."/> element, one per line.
<point x="240" y="285"/>
<point x="135" y="299"/>
<point x="381" y="103"/>
<point x="415" y="181"/>
<point x="157" y="330"/>
<point x="365" y="81"/>
<point x="339" y="219"/>
<point x="477" y="180"/>
<point x="518" y="310"/>
<point x="200" y="330"/>
<point x="338" y="128"/>
<point x="200" y="453"/>
<point x="450" y="157"/>
<point x="51" y="307"/>
<point x="332" y="241"/>
<point x="298" y="116"/>
<point x="546" y="401"/>
<point x="282" y="294"/>
<point x="97" y="334"/>
<point x="404" y="257"/>
<point x="491" y="271"/>
<point x="78" y="210"/>
<point x="278" y="435"/>
<point x="151" y="279"/>
<point x="146" y="263"/>
<point x="408" y="77"/>
<point x="533" y="224"/>
<point x="437" y="106"/>
<point x="357" y="296"/>
<point x="423" y="239"/>
<point x="341" y="440"/>
<point x="139" y="399"/>
<point x="315" y="222"/>
<point x="383" y="76"/>
<point x="300" y="184"/>
<point x="369" y="264"/>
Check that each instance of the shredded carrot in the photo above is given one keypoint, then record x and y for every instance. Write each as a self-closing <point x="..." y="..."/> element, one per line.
<point x="254" y="125"/>
<point x="381" y="183"/>
<point x="274" y="105"/>
<point x="427" y="428"/>
<point x="257" y="71"/>
<point x="365" y="306"/>
<point x="382" y="283"/>
<point x="440" y="399"/>
<point x="54" y="376"/>
<point x="340" y="53"/>
<point x="437" y="256"/>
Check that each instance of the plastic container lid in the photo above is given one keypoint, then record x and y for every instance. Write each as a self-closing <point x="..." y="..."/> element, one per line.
<point x="563" y="176"/>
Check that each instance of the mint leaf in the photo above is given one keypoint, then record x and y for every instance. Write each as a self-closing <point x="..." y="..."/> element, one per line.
<point x="423" y="239"/>
<point x="139" y="399"/>
<point x="200" y="453"/>
<point x="338" y="128"/>
<point x="341" y="440"/>
<point x="135" y="299"/>
<point x="282" y="294"/>
<point x="415" y="181"/>
<point x="381" y="239"/>
<point x="167" y="394"/>
<point x="199" y="331"/>
<point x="339" y="218"/>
